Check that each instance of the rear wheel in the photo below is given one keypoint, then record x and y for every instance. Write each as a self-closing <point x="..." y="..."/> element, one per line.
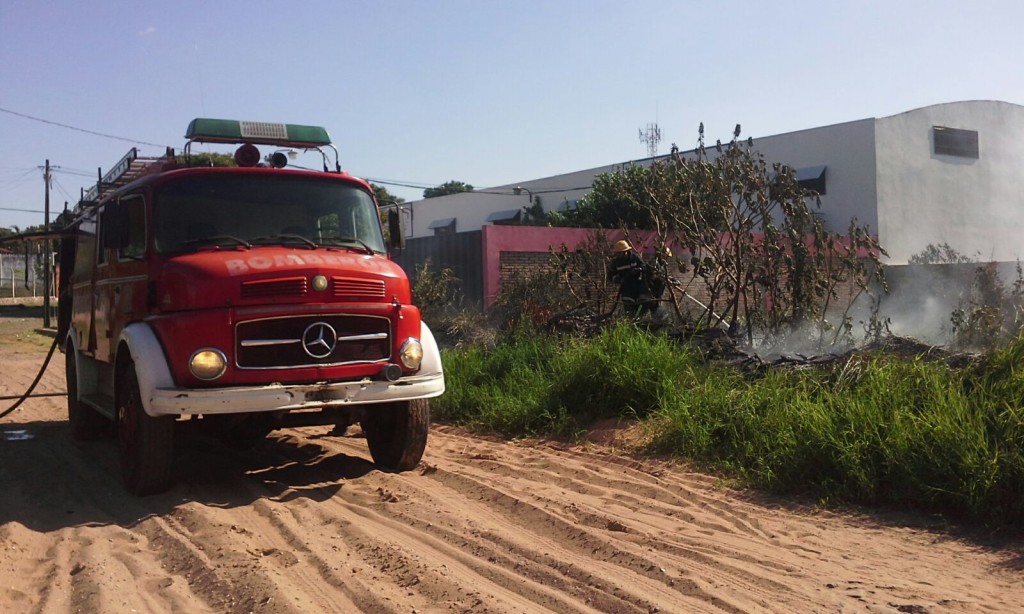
<point x="85" y="422"/>
<point x="146" y="443"/>
<point x="396" y="433"/>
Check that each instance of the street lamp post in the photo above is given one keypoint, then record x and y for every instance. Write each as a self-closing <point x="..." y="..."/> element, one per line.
<point x="518" y="190"/>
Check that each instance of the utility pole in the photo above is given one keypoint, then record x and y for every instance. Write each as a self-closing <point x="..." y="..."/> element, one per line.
<point x="46" y="252"/>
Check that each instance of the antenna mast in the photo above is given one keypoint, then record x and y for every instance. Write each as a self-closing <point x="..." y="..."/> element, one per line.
<point x="651" y="136"/>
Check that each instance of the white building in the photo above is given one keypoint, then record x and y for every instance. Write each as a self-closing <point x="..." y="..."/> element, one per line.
<point x="947" y="173"/>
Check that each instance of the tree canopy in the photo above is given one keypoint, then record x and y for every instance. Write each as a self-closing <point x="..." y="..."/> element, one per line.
<point x="534" y="215"/>
<point x="743" y="231"/>
<point x="942" y="253"/>
<point x="206" y="159"/>
<point x="384" y="197"/>
<point x="446" y="188"/>
<point x="617" y="200"/>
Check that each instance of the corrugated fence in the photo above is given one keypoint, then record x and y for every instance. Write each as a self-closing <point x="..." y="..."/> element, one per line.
<point x="461" y="252"/>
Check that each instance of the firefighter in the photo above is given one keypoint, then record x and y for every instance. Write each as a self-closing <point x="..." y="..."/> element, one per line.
<point x="627" y="270"/>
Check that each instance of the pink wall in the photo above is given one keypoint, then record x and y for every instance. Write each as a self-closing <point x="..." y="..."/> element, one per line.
<point x="498" y="239"/>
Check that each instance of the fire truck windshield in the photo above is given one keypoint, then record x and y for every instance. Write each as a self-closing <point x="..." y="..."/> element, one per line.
<point x="250" y="211"/>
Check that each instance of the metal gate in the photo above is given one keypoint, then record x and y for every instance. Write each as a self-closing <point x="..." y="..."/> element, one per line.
<point x="461" y="252"/>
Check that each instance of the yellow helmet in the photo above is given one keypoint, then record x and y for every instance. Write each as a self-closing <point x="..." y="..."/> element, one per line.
<point x="621" y="246"/>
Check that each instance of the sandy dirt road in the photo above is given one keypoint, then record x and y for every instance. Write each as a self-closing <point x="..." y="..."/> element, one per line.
<point x="305" y="523"/>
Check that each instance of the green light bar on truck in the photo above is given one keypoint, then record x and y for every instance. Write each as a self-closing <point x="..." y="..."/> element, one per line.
<point x="262" y="133"/>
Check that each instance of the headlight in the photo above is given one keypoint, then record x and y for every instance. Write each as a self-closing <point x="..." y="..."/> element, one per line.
<point x="411" y="353"/>
<point x="208" y="363"/>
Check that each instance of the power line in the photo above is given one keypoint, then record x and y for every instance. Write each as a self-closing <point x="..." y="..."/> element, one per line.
<point x="10" y="170"/>
<point x="483" y="191"/>
<point x="21" y="210"/>
<point x="19" y="179"/>
<point x="93" y="132"/>
<point x="401" y="184"/>
<point x="77" y="173"/>
<point x="509" y="191"/>
<point x="60" y="187"/>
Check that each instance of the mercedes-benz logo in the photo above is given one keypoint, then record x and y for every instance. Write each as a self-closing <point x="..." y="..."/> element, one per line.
<point x="319" y="339"/>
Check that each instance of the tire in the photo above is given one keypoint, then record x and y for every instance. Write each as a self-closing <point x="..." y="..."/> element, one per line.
<point x="86" y="423"/>
<point x="146" y="444"/>
<point x="396" y="433"/>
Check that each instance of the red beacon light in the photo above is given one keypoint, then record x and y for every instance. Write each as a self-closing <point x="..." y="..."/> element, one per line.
<point x="247" y="155"/>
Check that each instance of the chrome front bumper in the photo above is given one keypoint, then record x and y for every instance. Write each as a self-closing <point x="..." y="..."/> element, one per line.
<point x="280" y="397"/>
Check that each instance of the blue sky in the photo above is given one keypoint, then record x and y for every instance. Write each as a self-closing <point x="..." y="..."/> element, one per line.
<point x="485" y="92"/>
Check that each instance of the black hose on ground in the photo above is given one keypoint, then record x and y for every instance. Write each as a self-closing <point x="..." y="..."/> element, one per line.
<point x="39" y="376"/>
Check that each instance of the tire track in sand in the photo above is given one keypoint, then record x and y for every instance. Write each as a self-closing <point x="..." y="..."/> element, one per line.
<point x="306" y="523"/>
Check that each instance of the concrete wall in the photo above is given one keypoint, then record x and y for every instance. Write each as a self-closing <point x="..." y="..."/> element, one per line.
<point x="498" y="240"/>
<point x="974" y="205"/>
<point x="473" y="208"/>
<point x="470" y="208"/>
<point x="848" y="152"/>
<point x="880" y="171"/>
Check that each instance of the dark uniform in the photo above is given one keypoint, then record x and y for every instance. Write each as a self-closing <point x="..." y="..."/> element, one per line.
<point x="627" y="270"/>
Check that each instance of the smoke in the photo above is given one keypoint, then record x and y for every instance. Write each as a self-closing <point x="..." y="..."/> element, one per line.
<point x="919" y="304"/>
<point x="922" y="298"/>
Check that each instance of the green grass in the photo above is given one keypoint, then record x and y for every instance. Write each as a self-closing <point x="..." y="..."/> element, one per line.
<point x="535" y="385"/>
<point x="878" y="431"/>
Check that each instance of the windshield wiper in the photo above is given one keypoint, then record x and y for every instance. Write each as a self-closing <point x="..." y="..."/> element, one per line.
<point x="283" y="239"/>
<point x="217" y="241"/>
<point x="347" y="242"/>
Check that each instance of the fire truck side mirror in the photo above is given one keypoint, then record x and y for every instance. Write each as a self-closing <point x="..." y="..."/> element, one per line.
<point x="395" y="230"/>
<point x="114" y="226"/>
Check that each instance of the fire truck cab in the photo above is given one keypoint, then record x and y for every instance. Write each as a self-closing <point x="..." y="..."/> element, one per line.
<point x="249" y="298"/>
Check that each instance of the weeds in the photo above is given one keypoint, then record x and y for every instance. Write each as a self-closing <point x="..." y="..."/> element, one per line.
<point x="435" y="291"/>
<point x="875" y="430"/>
<point x="878" y="429"/>
<point x="991" y="314"/>
<point x="529" y="299"/>
<point x="551" y="385"/>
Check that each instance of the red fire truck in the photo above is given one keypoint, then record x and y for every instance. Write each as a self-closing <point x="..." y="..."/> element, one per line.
<point x="249" y="298"/>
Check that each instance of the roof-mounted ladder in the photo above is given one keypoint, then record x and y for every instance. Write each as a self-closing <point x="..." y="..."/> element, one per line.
<point x="131" y="167"/>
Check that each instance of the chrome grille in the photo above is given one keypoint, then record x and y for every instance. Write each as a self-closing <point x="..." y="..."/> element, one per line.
<point x="346" y="287"/>
<point x="302" y="341"/>
<point x="285" y="286"/>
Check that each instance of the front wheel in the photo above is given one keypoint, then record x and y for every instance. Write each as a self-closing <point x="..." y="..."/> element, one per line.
<point x="146" y="443"/>
<point x="396" y="433"/>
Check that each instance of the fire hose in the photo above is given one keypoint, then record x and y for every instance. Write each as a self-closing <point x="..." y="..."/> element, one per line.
<point x="28" y="393"/>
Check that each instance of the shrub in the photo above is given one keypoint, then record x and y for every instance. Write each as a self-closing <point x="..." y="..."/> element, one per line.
<point x="529" y="299"/>
<point x="991" y="315"/>
<point x="435" y="291"/>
